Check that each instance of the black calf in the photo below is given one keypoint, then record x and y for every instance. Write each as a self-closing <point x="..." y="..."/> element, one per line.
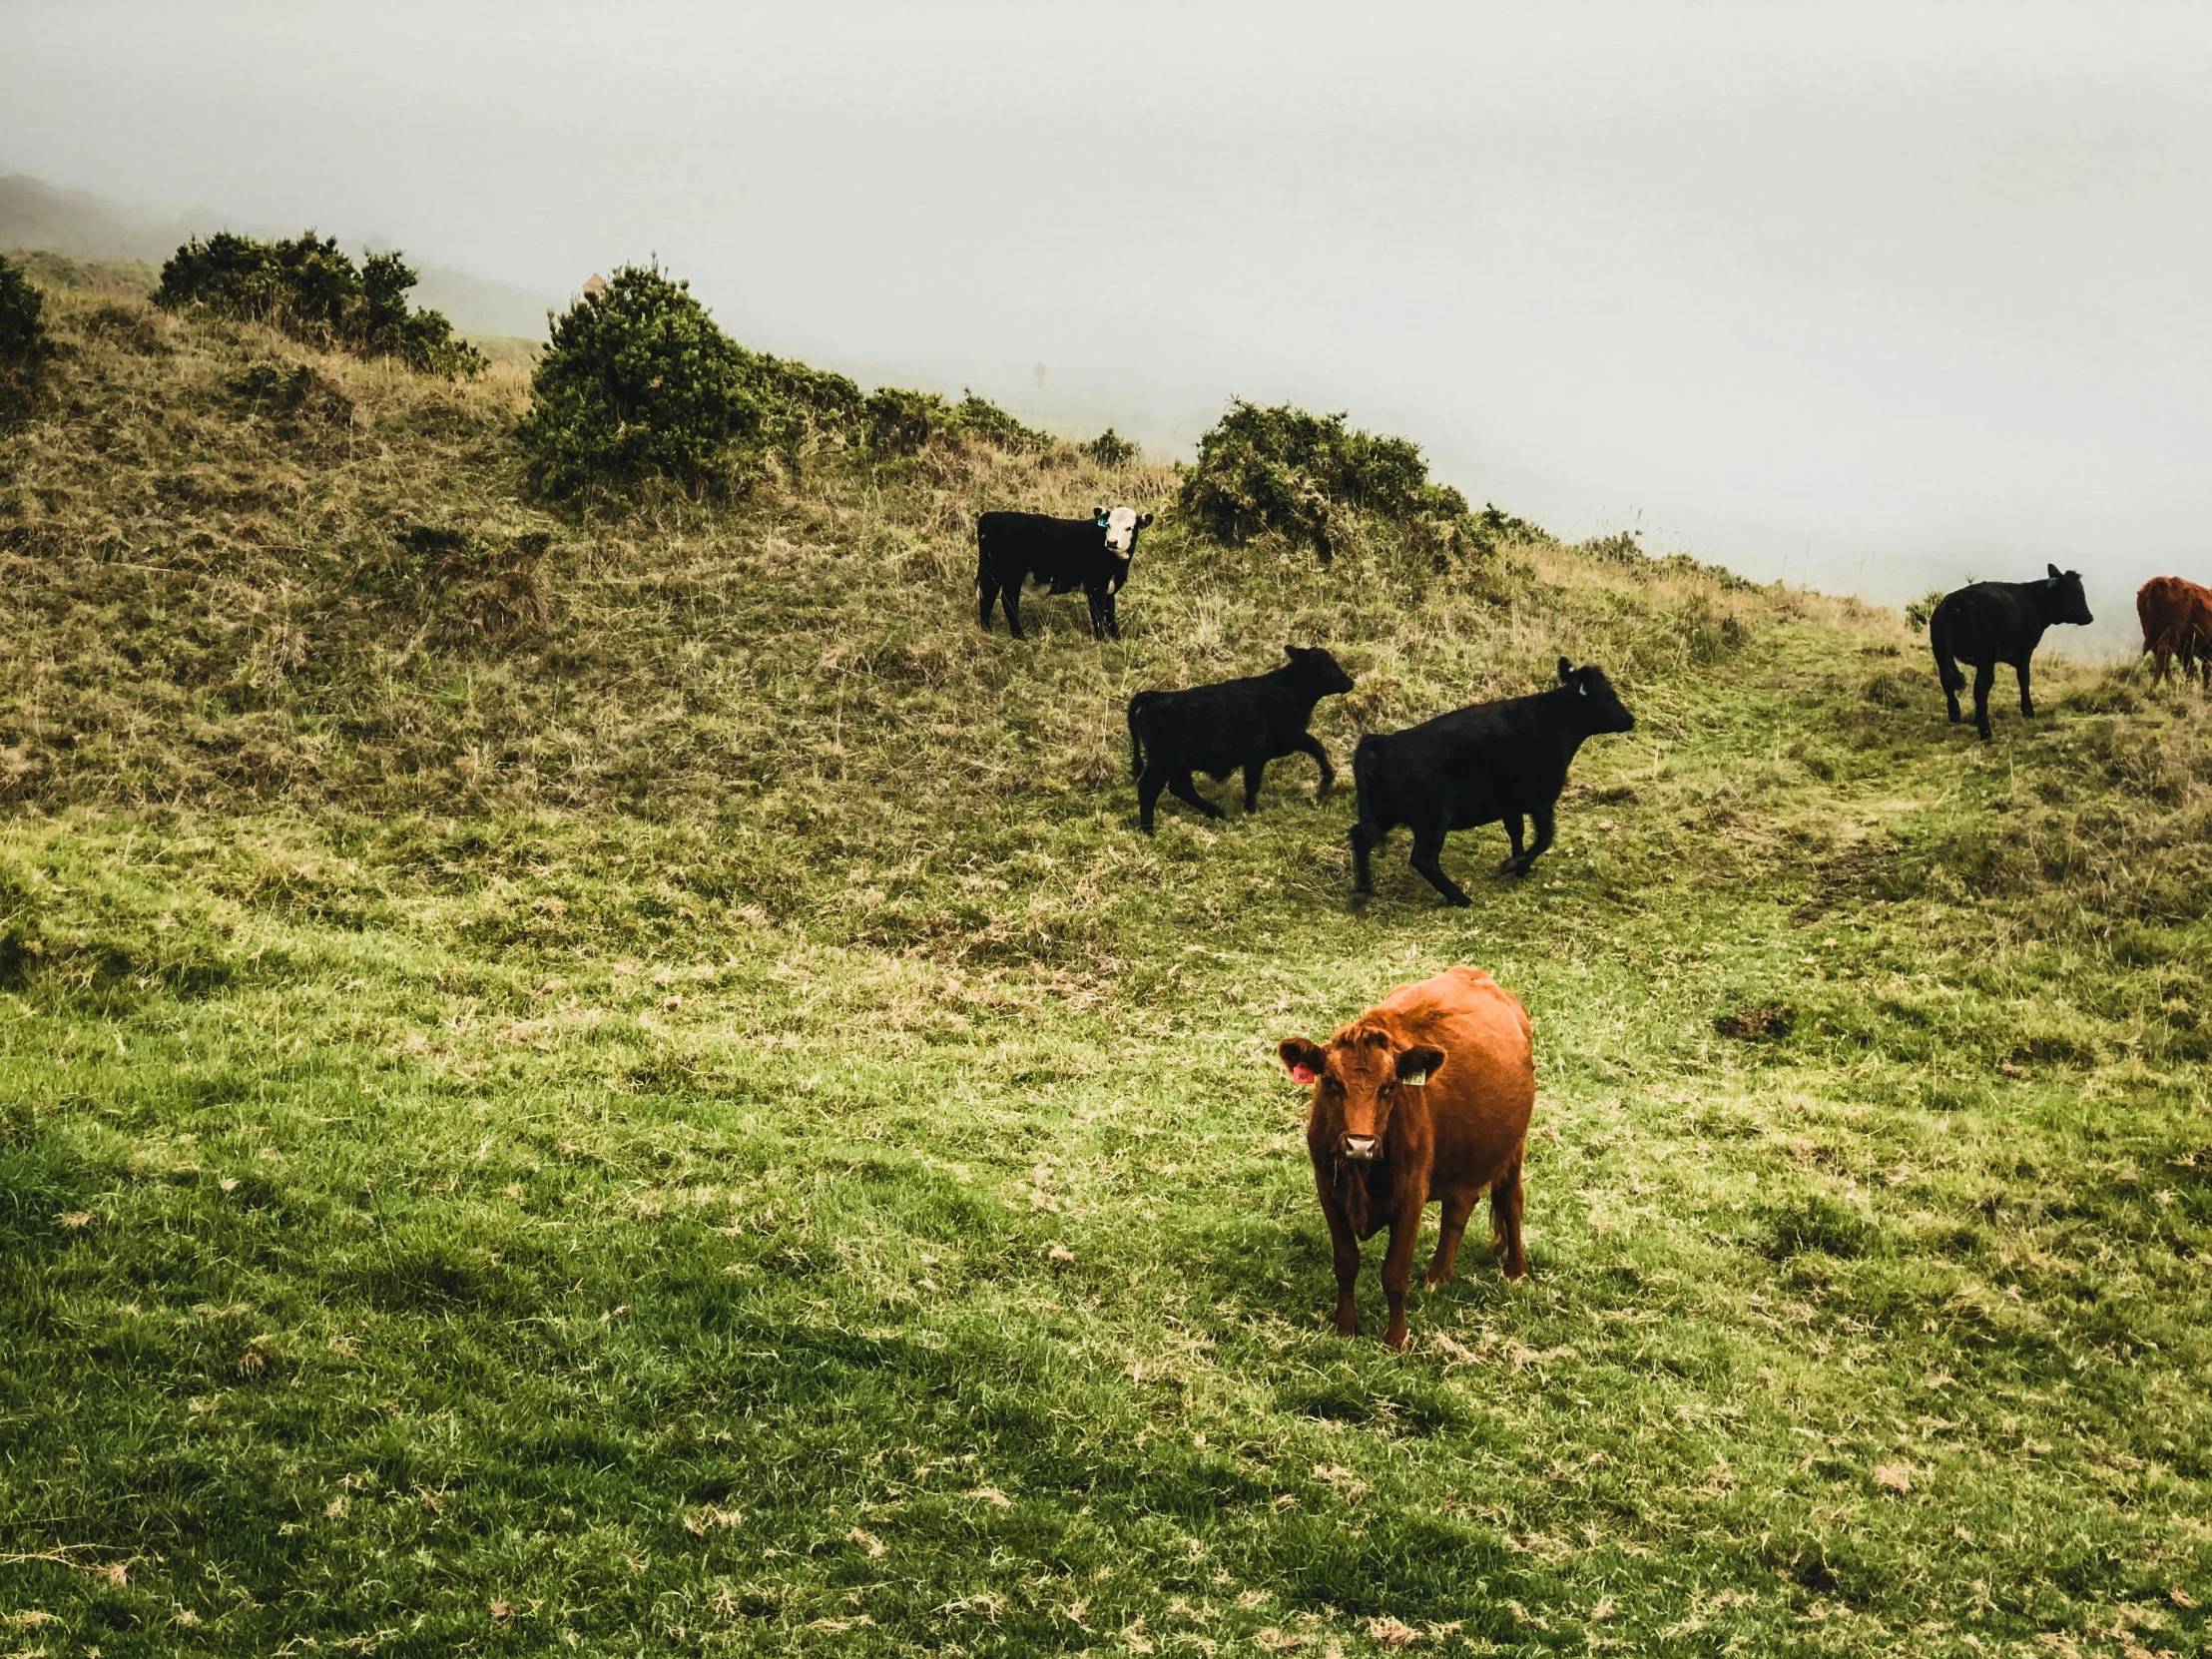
<point x="1217" y="729"/>
<point x="1491" y="764"/>
<point x="1058" y="554"/>
<point x="1999" y="622"/>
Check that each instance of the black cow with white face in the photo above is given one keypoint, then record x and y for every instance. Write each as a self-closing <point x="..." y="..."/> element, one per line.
<point x="2000" y="622"/>
<point x="1056" y="555"/>
<point x="1494" y="763"/>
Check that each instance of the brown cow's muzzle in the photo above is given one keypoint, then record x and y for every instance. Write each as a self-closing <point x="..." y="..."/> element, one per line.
<point x="1359" y="1148"/>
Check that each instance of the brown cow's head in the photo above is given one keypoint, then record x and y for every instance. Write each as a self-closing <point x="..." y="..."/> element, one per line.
<point x="1358" y="1079"/>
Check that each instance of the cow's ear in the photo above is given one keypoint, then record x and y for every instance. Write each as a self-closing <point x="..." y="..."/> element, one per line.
<point x="2054" y="576"/>
<point x="1567" y="671"/>
<point x="1416" y="1066"/>
<point x="1143" y="519"/>
<point x="1299" y="1058"/>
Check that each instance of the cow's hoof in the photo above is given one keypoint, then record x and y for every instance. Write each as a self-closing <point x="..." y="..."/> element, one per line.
<point x="1396" y="1340"/>
<point x="1431" y="1281"/>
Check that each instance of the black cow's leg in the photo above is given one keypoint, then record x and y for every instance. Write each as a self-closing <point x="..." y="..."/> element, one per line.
<point x="987" y="595"/>
<point x="1180" y="787"/>
<point x="1513" y="826"/>
<point x="1428" y="846"/>
<point x="1984" y="676"/>
<point x="1307" y="744"/>
<point x="1155" y="780"/>
<point x="1253" y="772"/>
<point x="1098" y="616"/>
<point x="2027" y="702"/>
<point x="1011" y="597"/>
<point x="1365" y="840"/>
<point x="1541" y="818"/>
<point x="1113" y="617"/>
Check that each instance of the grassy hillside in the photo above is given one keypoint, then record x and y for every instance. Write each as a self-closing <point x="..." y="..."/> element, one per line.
<point x="639" y="1093"/>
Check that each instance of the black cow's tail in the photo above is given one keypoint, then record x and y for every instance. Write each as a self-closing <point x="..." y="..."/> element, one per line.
<point x="1939" y="640"/>
<point x="1363" y="779"/>
<point x="1137" y="706"/>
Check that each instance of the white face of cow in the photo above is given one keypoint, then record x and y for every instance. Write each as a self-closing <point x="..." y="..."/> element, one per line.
<point x="1120" y="526"/>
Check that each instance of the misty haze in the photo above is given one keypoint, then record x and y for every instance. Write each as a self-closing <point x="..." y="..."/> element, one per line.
<point x="1260" y="832"/>
<point x="1872" y="299"/>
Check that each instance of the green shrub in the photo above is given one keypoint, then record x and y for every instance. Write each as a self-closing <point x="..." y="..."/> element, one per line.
<point x="898" y="421"/>
<point x="1315" y="482"/>
<point x="309" y="288"/>
<point x="639" y="383"/>
<point x="1111" y="449"/>
<point x="25" y="347"/>
<point x="1920" y="609"/>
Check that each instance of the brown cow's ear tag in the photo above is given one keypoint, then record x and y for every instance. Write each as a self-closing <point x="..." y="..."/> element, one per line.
<point x="1302" y="1074"/>
<point x="1413" y="1079"/>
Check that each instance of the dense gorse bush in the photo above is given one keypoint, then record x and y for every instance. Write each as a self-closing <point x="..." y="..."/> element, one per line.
<point x="1317" y="483"/>
<point x="640" y="384"/>
<point x="24" y="345"/>
<point x="310" y="287"/>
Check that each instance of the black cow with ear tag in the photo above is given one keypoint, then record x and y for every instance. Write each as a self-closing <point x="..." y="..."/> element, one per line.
<point x="1055" y="555"/>
<point x="2000" y="622"/>
<point x="1494" y="763"/>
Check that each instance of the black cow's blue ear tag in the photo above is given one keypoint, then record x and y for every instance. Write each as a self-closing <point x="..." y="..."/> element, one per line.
<point x="1584" y="688"/>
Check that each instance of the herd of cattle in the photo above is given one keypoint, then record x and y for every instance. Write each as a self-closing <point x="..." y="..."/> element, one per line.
<point x="1426" y="1096"/>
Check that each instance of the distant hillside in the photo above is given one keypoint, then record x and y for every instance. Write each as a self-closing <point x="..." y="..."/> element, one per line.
<point x="81" y="224"/>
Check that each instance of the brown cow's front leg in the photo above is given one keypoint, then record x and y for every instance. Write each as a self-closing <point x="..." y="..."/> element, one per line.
<point x="1457" y="1207"/>
<point x="1398" y="1271"/>
<point x="1346" y="1249"/>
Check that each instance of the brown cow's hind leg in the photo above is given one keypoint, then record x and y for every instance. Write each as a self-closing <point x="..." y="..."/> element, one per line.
<point x="1505" y="1218"/>
<point x="1457" y="1207"/>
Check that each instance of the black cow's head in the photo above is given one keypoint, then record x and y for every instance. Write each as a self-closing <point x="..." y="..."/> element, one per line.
<point x="1596" y="707"/>
<point x="2063" y="600"/>
<point x="1317" y="670"/>
<point x="1121" y="525"/>
<point x="1358" y="1080"/>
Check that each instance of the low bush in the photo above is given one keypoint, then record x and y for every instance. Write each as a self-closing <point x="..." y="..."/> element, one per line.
<point x="1111" y="449"/>
<point x="1919" y="610"/>
<point x="898" y="421"/>
<point x="1318" y="485"/>
<point x="639" y="383"/>
<point x="294" y="390"/>
<point x="24" y="345"/>
<point x="313" y="290"/>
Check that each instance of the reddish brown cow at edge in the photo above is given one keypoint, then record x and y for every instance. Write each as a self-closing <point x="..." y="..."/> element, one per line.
<point x="1425" y="1096"/>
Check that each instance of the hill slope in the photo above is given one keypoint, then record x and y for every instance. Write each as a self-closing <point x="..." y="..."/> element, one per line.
<point x="647" y="1096"/>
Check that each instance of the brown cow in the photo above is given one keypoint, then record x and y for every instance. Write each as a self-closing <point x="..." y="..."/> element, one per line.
<point x="1425" y="1096"/>
<point x="2177" y="621"/>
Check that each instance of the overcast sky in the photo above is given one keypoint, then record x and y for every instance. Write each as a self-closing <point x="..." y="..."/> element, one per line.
<point x="1874" y="297"/>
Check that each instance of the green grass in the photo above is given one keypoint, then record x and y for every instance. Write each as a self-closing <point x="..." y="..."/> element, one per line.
<point x="704" y="1128"/>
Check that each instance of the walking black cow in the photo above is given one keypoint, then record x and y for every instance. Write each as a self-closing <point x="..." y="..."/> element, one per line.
<point x="1999" y="622"/>
<point x="1058" y="554"/>
<point x="1494" y="763"/>
<point x="1238" y="723"/>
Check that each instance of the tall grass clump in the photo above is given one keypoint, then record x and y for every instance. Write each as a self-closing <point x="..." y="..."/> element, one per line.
<point x="1319" y="484"/>
<point x="24" y="344"/>
<point x="313" y="290"/>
